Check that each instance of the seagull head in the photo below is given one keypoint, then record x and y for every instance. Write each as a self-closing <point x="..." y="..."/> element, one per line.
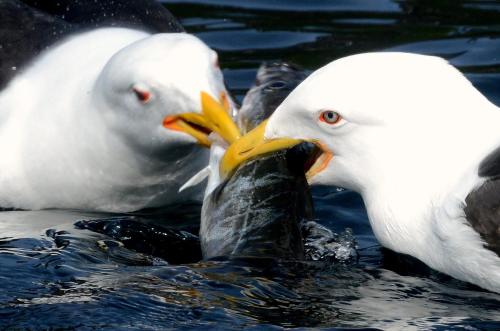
<point x="155" y="90"/>
<point x="381" y="122"/>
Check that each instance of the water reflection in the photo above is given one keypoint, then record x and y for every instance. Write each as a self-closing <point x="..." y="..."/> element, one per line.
<point x="461" y="52"/>
<point x="311" y="5"/>
<point x="239" y="40"/>
<point x="94" y="278"/>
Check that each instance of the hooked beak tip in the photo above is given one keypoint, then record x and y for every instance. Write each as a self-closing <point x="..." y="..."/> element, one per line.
<point x="251" y="145"/>
<point x="214" y="117"/>
<point x="218" y="113"/>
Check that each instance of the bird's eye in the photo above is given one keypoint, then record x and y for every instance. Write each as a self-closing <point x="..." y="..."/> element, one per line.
<point x="276" y="85"/>
<point x="330" y="117"/>
<point x="142" y="95"/>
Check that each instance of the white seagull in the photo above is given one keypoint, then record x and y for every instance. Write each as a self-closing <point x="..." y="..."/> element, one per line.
<point x="414" y="137"/>
<point x="85" y="124"/>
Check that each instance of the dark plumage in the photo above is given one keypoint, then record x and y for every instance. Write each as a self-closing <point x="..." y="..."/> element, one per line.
<point x="147" y="15"/>
<point x="28" y="27"/>
<point x="483" y="204"/>
<point x="490" y="166"/>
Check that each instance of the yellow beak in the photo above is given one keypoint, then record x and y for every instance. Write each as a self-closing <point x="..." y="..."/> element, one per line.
<point x="218" y="116"/>
<point x="252" y="145"/>
<point x="214" y="117"/>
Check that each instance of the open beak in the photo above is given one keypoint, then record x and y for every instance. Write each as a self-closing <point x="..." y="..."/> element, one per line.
<point x="254" y="144"/>
<point x="319" y="161"/>
<point x="214" y="117"/>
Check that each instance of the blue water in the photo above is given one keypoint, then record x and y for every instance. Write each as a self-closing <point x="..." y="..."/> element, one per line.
<point x="54" y="274"/>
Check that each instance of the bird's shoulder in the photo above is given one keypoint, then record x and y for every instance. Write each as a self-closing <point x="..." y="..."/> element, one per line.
<point x="28" y="27"/>
<point x="149" y="15"/>
<point x="482" y="209"/>
<point x="24" y="33"/>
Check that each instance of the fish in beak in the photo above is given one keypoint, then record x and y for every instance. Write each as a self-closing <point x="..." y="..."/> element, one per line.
<point x="250" y="146"/>
<point x="254" y="144"/>
<point x="215" y="117"/>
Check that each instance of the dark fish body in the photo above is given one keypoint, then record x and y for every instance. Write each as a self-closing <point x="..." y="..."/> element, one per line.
<point x="273" y="84"/>
<point x="258" y="210"/>
<point x="170" y="244"/>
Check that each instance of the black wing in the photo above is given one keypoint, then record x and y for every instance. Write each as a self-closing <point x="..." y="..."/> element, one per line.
<point x="483" y="204"/>
<point x="24" y="33"/>
<point x="147" y="15"/>
<point x="27" y="27"/>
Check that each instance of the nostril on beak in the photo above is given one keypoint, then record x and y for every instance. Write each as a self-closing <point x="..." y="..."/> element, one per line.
<point x="245" y="151"/>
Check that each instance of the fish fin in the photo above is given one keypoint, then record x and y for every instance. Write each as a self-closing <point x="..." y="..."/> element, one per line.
<point x="196" y="179"/>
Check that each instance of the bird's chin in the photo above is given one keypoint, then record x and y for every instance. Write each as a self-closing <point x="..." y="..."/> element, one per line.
<point x="174" y="145"/>
<point x="180" y="138"/>
<point x="318" y="162"/>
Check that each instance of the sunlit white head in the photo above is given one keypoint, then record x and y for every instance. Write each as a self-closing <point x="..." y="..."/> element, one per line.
<point x="158" y="76"/>
<point x="386" y="118"/>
